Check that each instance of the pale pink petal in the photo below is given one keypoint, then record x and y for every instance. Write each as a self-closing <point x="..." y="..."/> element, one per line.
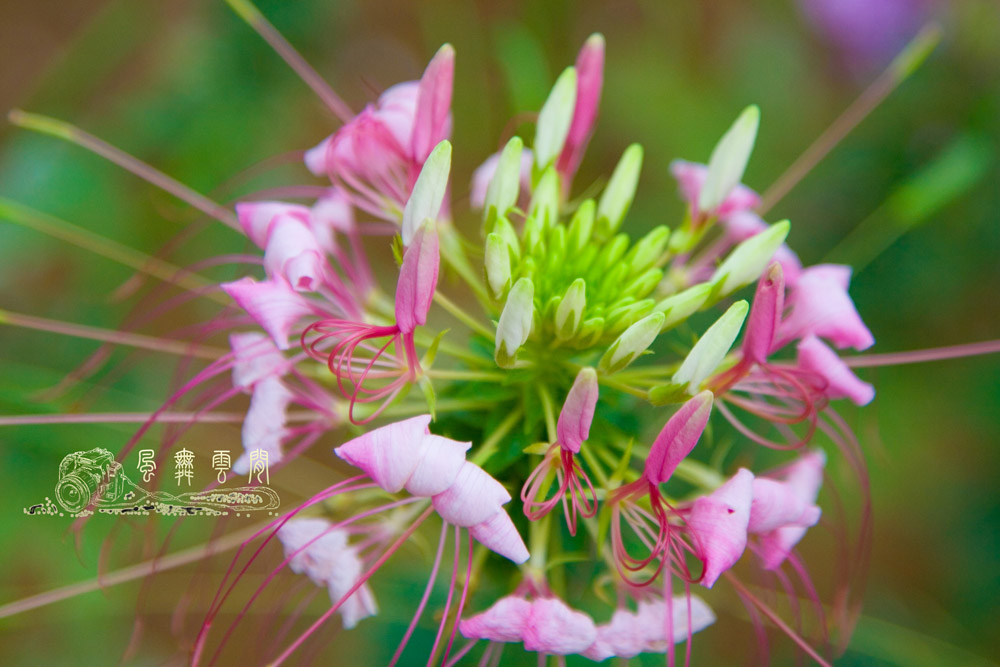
<point x="331" y="213"/>
<point x="316" y="157"/>
<point x="417" y="279"/>
<point x="347" y="569"/>
<point x="255" y="217"/>
<point x="294" y="254"/>
<point x="577" y="412"/>
<point x="691" y="177"/>
<point x="397" y="109"/>
<point x="388" y="454"/>
<point x="803" y="478"/>
<point x="485" y="172"/>
<point x="432" y="123"/>
<point x="264" y="425"/>
<point x="775" y="504"/>
<point x="819" y="305"/>
<point x="765" y="315"/>
<point x="440" y="461"/>
<point x="718" y="525"/>
<point x="273" y="304"/>
<point x="499" y="535"/>
<point x="503" y="622"/>
<point x="255" y="357"/>
<point x="621" y="638"/>
<point x="841" y="382"/>
<point x="679" y="436"/>
<point x="556" y="629"/>
<point x="589" y="81"/>
<point x="473" y="497"/>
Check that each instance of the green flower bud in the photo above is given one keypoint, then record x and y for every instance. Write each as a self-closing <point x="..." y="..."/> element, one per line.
<point x="506" y="231"/>
<point x="620" y="191"/>
<point x="554" y="120"/>
<point x="631" y="343"/>
<point x="748" y="260"/>
<point x="545" y="199"/>
<point x="711" y="348"/>
<point x="631" y="311"/>
<point x="647" y="250"/>
<point x="611" y="253"/>
<point x="501" y="194"/>
<point x="683" y="305"/>
<point x="497" y="263"/>
<point x="643" y="284"/>
<point x="729" y="159"/>
<point x="515" y="322"/>
<point x="428" y="192"/>
<point x="569" y="314"/>
<point x="590" y="332"/>
<point x="581" y="226"/>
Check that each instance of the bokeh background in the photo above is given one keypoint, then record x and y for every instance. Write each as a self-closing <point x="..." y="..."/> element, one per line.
<point x="189" y="88"/>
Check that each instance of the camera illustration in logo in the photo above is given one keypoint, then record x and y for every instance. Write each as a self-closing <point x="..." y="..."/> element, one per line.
<point x="89" y="477"/>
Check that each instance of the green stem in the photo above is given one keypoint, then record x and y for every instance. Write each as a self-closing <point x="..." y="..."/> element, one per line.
<point x="550" y="414"/>
<point x="489" y="446"/>
<point x="446" y="374"/>
<point x="462" y="316"/>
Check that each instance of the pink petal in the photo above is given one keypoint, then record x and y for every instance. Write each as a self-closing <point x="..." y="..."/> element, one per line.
<point x="316" y="157"/>
<point x="440" y="461"/>
<point x="775" y="504"/>
<point x="255" y="217"/>
<point x="331" y="213"/>
<point x="718" y="525"/>
<point x="765" y="315"/>
<point x="273" y="304"/>
<point x="347" y="569"/>
<point x="841" y="382"/>
<point x="622" y="638"/>
<point x="432" y="121"/>
<point x="473" y="497"/>
<point x="396" y="111"/>
<point x="679" y="436"/>
<point x="589" y="81"/>
<point x="803" y="478"/>
<point x="820" y="306"/>
<point x="691" y="177"/>
<point x="578" y="411"/>
<point x="388" y="454"/>
<point x="503" y="622"/>
<point x="554" y="628"/>
<point x="651" y="620"/>
<point x="484" y="173"/>
<point x="264" y="425"/>
<point x="499" y="535"/>
<point x="417" y="279"/>
<point x="294" y="254"/>
<point x="255" y="357"/>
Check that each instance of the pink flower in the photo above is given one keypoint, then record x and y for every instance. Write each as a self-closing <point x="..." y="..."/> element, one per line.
<point x="718" y="525"/>
<point x="589" y="81"/>
<point x="819" y="305"/>
<point x="321" y="552"/>
<point x="503" y="622"/>
<point x="407" y="455"/>
<point x="545" y="625"/>
<point x="784" y="507"/>
<point x="691" y="177"/>
<point x="264" y="424"/>
<point x="255" y="358"/>
<point x="273" y="304"/>
<point x="645" y="631"/>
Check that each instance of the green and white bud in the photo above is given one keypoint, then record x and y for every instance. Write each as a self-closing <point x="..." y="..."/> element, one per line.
<point x="501" y="193"/>
<point x="631" y="311"/>
<point x="428" y="192"/>
<point x="581" y="226"/>
<point x="683" y="305"/>
<point x="620" y="191"/>
<point x="515" y="322"/>
<point x="545" y="199"/>
<point x="590" y="332"/>
<point x="647" y="250"/>
<point x="569" y="314"/>
<point x="553" y="121"/>
<point x="497" y="264"/>
<point x="633" y="342"/>
<point x="729" y="159"/>
<point x="711" y="348"/>
<point x="748" y="260"/>
<point x="643" y="284"/>
<point x="505" y="230"/>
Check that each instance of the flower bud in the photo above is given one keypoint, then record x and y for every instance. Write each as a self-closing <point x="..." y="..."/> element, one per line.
<point x="545" y="200"/>
<point x="590" y="332"/>
<point x="581" y="226"/>
<point x="631" y="343"/>
<point x="428" y="192"/>
<point x="647" y="250"/>
<point x="515" y="322"/>
<point x="643" y="284"/>
<point x="748" y="260"/>
<point x="501" y="194"/>
<point x="569" y="314"/>
<point x="682" y="305"/>
<point x="554" y="120"/>
<point x="628" y="313"/>
<point x="620" y="191"/>
<point x="497" y="264"/>
<point x="729" y="160"/>
<point x="711" y="348"/>
<point x="506" y="231"/>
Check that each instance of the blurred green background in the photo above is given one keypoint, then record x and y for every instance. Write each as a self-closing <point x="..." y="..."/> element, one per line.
<point x="189" y="88"/>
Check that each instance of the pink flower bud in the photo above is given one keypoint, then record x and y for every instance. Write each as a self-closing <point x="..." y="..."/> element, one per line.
<point x="765" y="315"/>
<point x="432" y="123"/>
<point x="589" y="81"/>
<point x="578" y="411"/>
<point x="417" y="278"/>
<point x="679" y="436"/>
